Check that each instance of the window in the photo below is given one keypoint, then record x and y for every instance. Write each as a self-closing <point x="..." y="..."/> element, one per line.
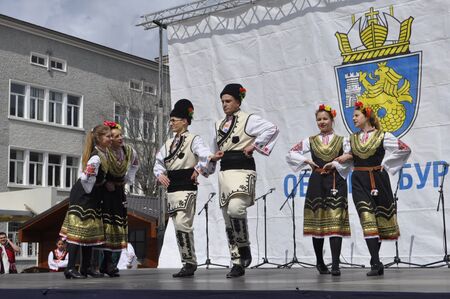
<point x="71" y="171"/>
<point x="55" y="107"/>
<point x="120" y="114"/>
<point x="147" y="125"/>
<point x="54" y="171"/>
<point x="73" y="110"/>
<point x="36" y="103"/>
<point x="31" y="249"/>
<point x="58" y="64"/>
<point x="16" y="163"/>
<point x="134" y="119"/>
<point x="138" y="124"/>
<point x="38" y="59"/>
<point x="36" y="167"/>
<point x="60" y="171"/>
<point x="150" y="88"/>
<point x="135" y="85"/>
<point x="17" y="100"/>
<point x="137" y="239"/>
<point x="45" y="105"/>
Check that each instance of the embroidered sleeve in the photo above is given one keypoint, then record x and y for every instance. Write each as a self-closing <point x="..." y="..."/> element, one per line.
<point x="397" y="153"/>
<point x="89" y="174"/>
<point x="134" y="166"/>
<point x="204" y="165"/>
<point x="266" y="134"/>
<point x="344" y="168"/>
<point x="296" y="156"/>
<point x="160" y="167"/>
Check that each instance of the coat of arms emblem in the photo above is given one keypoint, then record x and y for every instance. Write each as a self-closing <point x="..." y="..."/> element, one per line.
<point x="379" y="70"/>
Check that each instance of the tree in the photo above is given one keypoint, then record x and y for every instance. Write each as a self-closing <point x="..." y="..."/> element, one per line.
<point x="137" y="112"/>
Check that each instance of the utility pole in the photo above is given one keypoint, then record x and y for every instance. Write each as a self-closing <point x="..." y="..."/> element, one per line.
<point x="161" y="135"/>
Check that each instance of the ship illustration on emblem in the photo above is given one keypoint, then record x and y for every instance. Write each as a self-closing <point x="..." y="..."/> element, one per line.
<point x="379" y="70"/>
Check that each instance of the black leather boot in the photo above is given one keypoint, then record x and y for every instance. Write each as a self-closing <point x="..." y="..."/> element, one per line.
<point x="322" y="268"/>
<point x="186" y="271"/>
<point x="246" y="256"/>
<point x="236" y="271"/>
<point x="107" y="267"/>
<point x="335" y="271"/>
<point x="376" y="270"/>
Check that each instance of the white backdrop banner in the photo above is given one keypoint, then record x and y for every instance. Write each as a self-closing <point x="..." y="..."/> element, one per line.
<point x="292" y="56"/>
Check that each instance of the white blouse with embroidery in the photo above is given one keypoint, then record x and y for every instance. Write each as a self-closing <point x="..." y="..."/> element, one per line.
<point x="89" y="174"/>
<point x="296" y="158"/>
<point x="396" y="151"/>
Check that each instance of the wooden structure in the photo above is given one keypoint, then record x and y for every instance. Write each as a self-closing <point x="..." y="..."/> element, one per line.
<point x="142" y="228"/>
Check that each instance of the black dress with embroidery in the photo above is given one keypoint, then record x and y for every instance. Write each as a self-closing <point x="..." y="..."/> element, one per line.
<point x="83" y="222"/>
<point x="114" y="211"/>
<point x="377" y="213"/>
<point x="325" y="213"/>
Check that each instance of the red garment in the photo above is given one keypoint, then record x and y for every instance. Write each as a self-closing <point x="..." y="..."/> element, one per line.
<point x="11" y="259"/>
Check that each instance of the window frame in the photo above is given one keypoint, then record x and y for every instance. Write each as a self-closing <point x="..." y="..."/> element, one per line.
<point x="153" y="86"/>
<point x="132" y="81"/>
<point x="48" y="109"/>
<point x="16" y="100"/>
<point x="15" y="166"/>
<point x="75" y="169"/>
<point x="58" y="60"/>
<point x="42" y="56"/>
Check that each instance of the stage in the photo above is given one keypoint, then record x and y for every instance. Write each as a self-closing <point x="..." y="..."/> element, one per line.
<point x="257" y="283"/>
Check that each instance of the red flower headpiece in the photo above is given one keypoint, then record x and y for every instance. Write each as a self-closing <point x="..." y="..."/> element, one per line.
<point x="112" y="125"/>
<point x="242" y="92"/>
<point x="366" y="110"/>
<point x="323" y="107"/>
<point x="359" y="104"/>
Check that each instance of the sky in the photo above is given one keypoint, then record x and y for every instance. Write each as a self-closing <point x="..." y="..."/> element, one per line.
<point x="111" y="23"/>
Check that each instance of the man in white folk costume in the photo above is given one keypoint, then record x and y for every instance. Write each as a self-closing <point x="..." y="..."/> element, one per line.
<point x="238" y="135"/>
<point x="178" y="163"/>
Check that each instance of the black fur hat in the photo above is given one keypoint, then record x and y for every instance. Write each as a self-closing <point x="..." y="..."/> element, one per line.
<point x="183" y="109"/>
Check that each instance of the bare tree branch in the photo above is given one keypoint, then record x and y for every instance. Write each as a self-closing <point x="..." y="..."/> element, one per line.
<point x="136" y="112"/>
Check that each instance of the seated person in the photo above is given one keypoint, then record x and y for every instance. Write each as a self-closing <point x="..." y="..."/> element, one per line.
<point x="128" y="258"/>
<point x="59" y="257"/>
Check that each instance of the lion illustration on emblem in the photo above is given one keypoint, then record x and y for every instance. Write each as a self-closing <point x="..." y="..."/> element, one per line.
<point x="385" y="96"/>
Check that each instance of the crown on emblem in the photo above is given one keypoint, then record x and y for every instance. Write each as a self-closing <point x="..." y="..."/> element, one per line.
<point x="375" y="36"/>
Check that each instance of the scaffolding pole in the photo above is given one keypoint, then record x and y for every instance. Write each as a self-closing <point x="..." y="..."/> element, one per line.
<point x="189" y="11"/>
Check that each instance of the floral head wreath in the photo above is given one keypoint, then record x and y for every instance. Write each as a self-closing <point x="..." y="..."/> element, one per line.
<point x="323" y="107"/>
<point x="242" y="92"/>
<point x="112" y="125"/>
<point x="366" y="110"/>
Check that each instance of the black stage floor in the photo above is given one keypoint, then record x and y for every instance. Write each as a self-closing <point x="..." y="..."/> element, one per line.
<point x="257" y="283"/>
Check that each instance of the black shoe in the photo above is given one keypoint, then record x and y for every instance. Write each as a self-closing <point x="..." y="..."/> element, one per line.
<point x="187" y="270"/>
<point x="246" y="256"/>
<point x="236" y="271"/>
<point x="322" y="268"/>
<point x="376" y="270"/>
<point x="335" y="272"/>
<point x="110" y="271"/>
<point x="72" y="273"/>
<point x="91" y="272"/>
